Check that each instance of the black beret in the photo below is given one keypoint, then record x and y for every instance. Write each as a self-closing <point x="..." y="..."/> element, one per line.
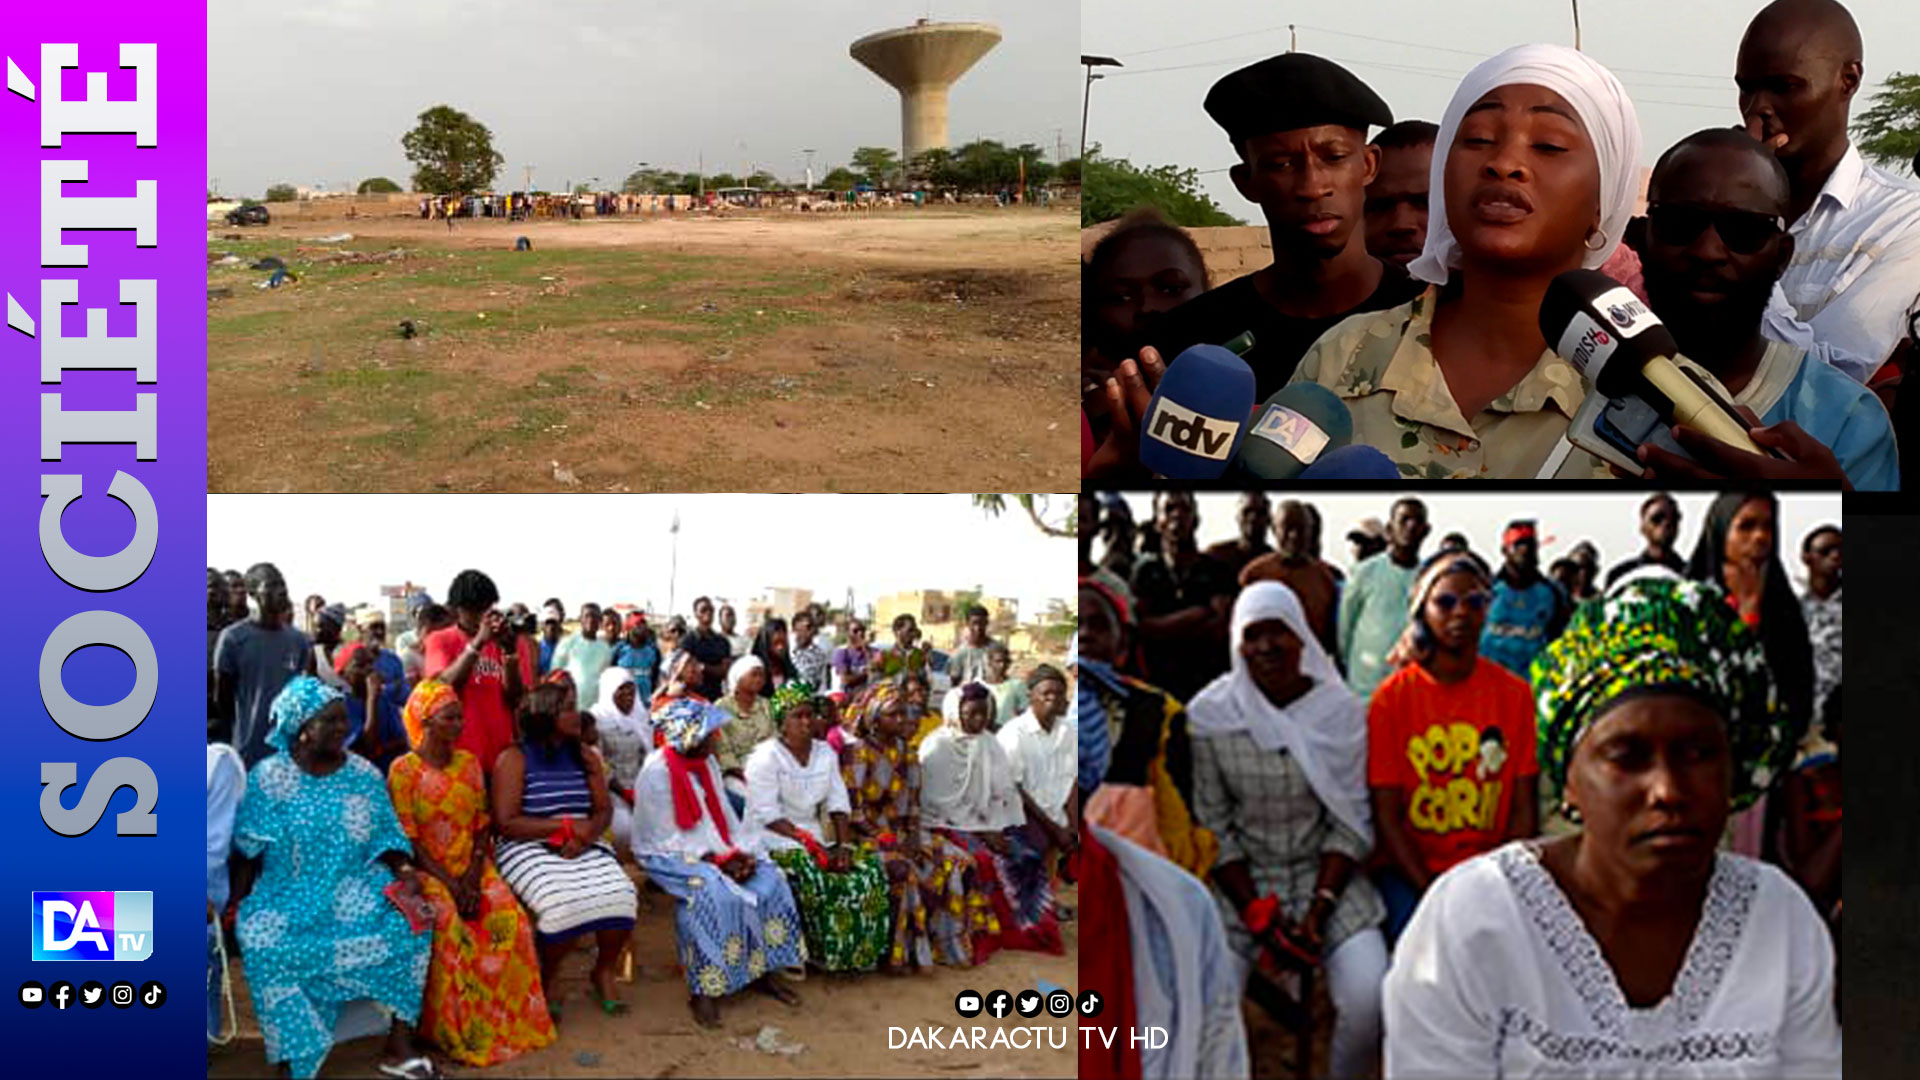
<point x="1293" y="90"/>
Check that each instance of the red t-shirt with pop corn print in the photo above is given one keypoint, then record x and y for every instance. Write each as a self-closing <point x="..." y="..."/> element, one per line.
<point x="1455" y="752"/>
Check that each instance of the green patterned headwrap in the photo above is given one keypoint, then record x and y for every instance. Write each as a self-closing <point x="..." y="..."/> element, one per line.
<point x="1662" y="631"/>
<point x="794" y="693"/>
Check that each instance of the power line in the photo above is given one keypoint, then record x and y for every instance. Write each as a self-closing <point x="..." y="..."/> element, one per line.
<point x="1477" y="54"/>
<point x="1207" y="41"/>
<point x="1443" y="74"/>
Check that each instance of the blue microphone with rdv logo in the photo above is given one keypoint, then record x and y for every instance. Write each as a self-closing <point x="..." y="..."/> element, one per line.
<point x="1198" y="414"/>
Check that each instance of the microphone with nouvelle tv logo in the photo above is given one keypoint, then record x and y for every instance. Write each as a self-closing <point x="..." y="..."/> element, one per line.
<point x="1198" y="414"/>
<point x="1623" y="351"/>
<point x="1292" y="430"/>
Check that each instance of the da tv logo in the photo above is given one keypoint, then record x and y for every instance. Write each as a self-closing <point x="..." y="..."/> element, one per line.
<point x="92" y="925"/>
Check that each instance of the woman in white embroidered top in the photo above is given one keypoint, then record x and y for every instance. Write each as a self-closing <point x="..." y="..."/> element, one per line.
<point x="1280" y="776"/>
<point x="793" y="783"/>
<point x="1632" y="948"/>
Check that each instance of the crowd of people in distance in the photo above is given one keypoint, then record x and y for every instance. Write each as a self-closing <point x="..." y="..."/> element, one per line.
<point x="1785" y="265"/>
<point x="1515" y="823"/>
<point x="410" y="835"/>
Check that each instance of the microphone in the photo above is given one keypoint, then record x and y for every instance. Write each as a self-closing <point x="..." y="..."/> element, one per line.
<point x="1353" y="463"/>
<point x="1294" y="429"/>
<point x="1621" y="349"/>
<point x="1198" y="414"/>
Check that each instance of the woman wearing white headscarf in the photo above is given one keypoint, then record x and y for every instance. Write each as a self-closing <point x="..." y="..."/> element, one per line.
<point x="1280" y="776"/>
<point x="970" y="795"/>
<point x="750" y="722"/>
<point x="626" y="735"/>
<point x="1535" y="167"/>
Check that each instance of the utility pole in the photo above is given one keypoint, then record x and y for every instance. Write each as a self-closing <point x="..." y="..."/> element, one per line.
<point x="1293" y="39"/>
<point x="1576" y="25"/>
<point x="1091" y="62"/>
<point x="526" y="187"/>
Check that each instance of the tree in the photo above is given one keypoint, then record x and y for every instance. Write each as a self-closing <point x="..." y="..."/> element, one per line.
<point x="1889" y="131"/>
<point x="935" y="167"/>
<point x="1113" y="186"/>
<point x="764" y="180"/>
<point x="875" y="164"/>
<point x="722" y="180"/>
<point x="452" y="153"/>
<point x="654" y="181"/>
<point x="1068" y="172"/>
<point x="378" y="185"/>
<point x="1041" y="509"/>
<point x="1038" y="171"/>
<point x="839" y="179"/>
<point x="582" y="189"/>
<point x="282" y="193"/>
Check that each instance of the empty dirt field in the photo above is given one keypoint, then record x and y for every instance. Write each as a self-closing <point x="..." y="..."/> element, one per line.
<point x="902" y="350"/>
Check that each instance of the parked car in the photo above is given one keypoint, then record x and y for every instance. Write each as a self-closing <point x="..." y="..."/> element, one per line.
<point x="248" y="215"/>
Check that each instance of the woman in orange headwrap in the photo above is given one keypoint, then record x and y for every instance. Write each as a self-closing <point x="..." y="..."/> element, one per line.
<point x="484" y="1003"/>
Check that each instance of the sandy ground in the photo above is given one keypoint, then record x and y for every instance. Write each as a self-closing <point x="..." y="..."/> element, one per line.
<point x="931" y="237"/>
<point x="900" y="351"/>
<point x="841" y="1023"/>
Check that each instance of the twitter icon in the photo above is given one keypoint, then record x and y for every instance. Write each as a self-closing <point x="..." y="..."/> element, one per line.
<point x="92" y="994"/>
<point x="1028" y="1004"/>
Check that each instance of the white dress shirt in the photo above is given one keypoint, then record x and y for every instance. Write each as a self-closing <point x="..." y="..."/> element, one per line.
<point x="1856" y="267"/>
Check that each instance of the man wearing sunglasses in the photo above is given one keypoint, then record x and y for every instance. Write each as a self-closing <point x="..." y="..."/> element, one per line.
<point x="1660" y="525"/>
<point x="1527" y="610"/>
<point x="1711" y="247"/>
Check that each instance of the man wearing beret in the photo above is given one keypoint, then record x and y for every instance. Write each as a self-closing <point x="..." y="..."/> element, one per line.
<point x="1299" y="124"/>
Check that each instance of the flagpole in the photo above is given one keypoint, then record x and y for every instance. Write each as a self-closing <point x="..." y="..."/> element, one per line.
<point x="673" y="578"/>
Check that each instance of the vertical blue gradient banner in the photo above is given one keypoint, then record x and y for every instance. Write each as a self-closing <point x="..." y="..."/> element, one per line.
<point x="164" y="600"/>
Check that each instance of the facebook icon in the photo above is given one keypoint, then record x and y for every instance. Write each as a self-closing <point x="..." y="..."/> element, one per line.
<point x="998" y="1003"/>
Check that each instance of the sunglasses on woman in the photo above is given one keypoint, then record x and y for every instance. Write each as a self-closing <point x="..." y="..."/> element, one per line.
<point x="1476" y="601"/>
<point x="1742" y="231"/>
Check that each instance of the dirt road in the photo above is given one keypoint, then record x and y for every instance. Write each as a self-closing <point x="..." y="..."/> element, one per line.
<point x="901" y="351"/>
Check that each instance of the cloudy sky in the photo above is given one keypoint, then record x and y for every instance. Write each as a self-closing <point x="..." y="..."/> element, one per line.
<point x="320" y="91"/>
<point x="1676" y="60"/>
<point x="617" y="548"/>
<point x="1611" y="521"/>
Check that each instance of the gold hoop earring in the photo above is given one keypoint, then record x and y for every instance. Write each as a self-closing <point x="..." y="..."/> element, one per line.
<point x="1602" y="246"/>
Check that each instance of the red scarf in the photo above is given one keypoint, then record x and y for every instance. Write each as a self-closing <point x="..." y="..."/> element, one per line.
<point x="1106" y="964"/>
<point x="686" y="805"/>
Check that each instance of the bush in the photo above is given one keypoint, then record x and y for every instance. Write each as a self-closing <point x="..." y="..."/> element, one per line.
<point x="282" y="193"/>
<point x="378" y="185"/>
<point x="1114" y="186"/>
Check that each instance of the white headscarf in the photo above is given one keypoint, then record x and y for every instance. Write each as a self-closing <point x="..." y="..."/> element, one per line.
<point x="740" y="668"/>
<point x="1602" y="105"/>
<point x="966" y="781"/>
<point x="1325" y="729"/>
<point x="623" y="735"/>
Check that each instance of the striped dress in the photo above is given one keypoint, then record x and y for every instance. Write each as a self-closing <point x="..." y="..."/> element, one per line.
<point x="568" y="897"/>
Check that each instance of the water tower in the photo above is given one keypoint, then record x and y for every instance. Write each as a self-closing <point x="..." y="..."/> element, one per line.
<point x="922" y="61"/>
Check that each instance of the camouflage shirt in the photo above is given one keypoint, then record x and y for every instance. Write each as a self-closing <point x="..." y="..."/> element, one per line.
<point x="1381" y="363"/>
